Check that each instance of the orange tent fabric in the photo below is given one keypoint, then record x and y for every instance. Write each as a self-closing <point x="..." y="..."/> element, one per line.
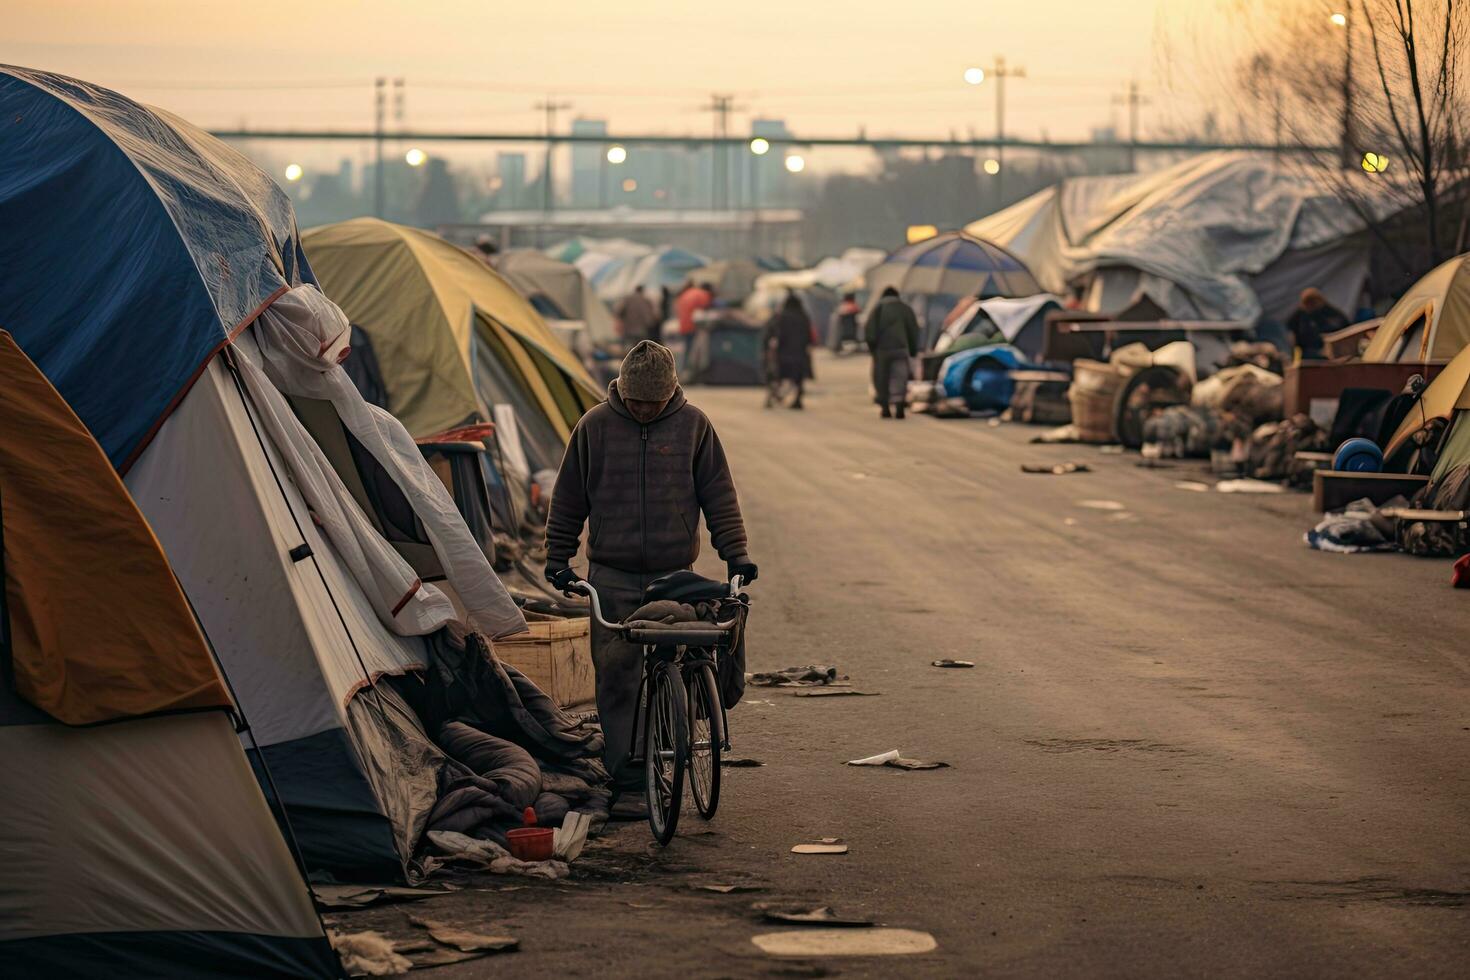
<point x="99" y="629"/>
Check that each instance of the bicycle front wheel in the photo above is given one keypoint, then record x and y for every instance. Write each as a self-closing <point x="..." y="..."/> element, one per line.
<point x="665" y="750"/>
<point x="705" y="736"/>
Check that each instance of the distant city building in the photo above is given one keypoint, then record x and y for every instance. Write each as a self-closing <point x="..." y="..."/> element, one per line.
<point x="766" y="181"/>
<point x="588" y="161"/>
<point x="511" y="169"/>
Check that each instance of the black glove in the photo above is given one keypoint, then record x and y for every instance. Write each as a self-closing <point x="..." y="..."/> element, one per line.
<point x="745" y="569"/>
<point x="562" y="579"/>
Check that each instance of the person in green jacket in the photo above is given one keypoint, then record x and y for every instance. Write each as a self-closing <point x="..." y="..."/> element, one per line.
<point x="892" y="336"/>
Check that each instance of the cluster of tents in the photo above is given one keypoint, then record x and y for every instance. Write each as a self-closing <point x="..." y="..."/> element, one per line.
<point x="221" y="532"/>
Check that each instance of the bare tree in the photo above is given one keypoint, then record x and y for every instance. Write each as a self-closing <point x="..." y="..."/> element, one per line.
<point x="1367" y="94"/>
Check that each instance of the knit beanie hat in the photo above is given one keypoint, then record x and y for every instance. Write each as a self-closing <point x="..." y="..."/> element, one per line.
<point x="648" y="374"/>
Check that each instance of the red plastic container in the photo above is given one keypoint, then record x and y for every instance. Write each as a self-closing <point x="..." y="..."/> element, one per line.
<point x="531" y="843"/>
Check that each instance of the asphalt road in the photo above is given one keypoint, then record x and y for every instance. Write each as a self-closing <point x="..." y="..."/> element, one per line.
<point x="1190" y="745"/>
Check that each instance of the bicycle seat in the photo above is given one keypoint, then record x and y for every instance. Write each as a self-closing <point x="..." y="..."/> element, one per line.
<point x="685" y="586"/>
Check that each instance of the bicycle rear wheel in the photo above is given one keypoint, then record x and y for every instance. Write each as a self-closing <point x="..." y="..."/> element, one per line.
<point x="705" y="736"/>
<point x="665" y="749"/>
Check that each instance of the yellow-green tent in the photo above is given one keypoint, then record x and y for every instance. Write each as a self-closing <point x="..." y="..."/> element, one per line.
<point x="436" y="316"/>
<point x="1431" y="322"/>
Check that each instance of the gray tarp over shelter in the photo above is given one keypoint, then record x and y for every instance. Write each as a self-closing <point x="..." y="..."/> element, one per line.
<point x="1221" y="236"/>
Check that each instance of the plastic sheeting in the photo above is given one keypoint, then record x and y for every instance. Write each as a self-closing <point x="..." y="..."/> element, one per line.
<point x="663" y="267"/>
<point x="1219" y="236"/>
<point x="302" y="338"/>
<point x="134" y="245"/>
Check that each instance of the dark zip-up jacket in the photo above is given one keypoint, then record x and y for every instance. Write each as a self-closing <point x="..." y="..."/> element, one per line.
<point x="641" y="488"/>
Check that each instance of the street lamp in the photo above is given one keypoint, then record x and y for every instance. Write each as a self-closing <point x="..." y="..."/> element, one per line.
<point x="294" y="172"/>
<point x="1339" y="19"/>
<point x="616" y="154"/>
<point x="992" y="166"/>
<point x="630" y="185"/>
<point x="974" y="76"/>
<point x="415" y="157"/>
<point x="795" y="163"/>
<point x="1374" y="163"/>
<point x="760" y="146"/>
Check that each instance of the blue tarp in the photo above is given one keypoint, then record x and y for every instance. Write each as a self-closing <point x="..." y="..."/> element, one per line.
<point x="982" y="376"/>
<point x="133" y="246"/>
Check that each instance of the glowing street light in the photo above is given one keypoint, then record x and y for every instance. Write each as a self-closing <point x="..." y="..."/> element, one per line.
<point x="1339" y="19"/>
<point x="415" y="157"/>
<point x="1374" y="163"/>
<point x="795" y="163"/>
<point x="294" y="172"/>
<point x="760" y="146"/>
<point x="974" y="76"/>
<point x="992" y="166"/>
<point x="616" y="154"/>
<point x="630" y="185"/>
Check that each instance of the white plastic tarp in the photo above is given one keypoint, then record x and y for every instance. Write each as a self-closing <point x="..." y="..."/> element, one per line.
<point x="303" y="337"/>
<point x="1202" y="238"/>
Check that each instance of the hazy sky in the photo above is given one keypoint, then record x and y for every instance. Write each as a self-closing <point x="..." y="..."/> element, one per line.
<point x="825" y="67"/>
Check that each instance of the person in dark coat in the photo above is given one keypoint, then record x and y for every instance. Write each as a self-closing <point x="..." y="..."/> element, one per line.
<point x="639" y="471"/>
<point x="637" y="317"/>
<point x="787" y="341"/>
<point x="892" y="336"/>
<point x="1313" y="318"/>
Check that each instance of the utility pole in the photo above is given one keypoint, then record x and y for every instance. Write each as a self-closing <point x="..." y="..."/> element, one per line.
<point x="1132" y="99"/>
<point x="1000" y="73"/>
<point x="721" y="106"/>
<point x="551" y="107"/>
<point x="380" y="109"/>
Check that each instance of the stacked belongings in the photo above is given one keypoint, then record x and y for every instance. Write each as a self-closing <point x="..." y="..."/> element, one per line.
<point x="307" y="605"/>
<point x="457" y="348"/>
<point x="133" y="831"/>
<point x="1435" y="436"/>
<point x="1223" y="411"/>
<point x="1111" y="401"/>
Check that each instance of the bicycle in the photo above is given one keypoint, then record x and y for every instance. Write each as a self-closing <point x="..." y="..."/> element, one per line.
<point x="678" y="695"/>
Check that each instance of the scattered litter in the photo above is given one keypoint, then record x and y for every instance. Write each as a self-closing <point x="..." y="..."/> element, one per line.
<point x="762" y="703"/>
<point x="444" y="956"/>
<point x="644" y="906"/>
<point x="1101" y="505"/>
<point x="1059" y="469"/>
<point x="741" y="763"/>
<point x="571" y="836"/>
<point x="493" y="857"/>
<point x="462" y="939"/>
<point x="822" y="845"/>
<point x="894" y="759"/>
<point x="823" y="916"/>
<point x="808" y="676"/>
<point x="1249" y="486"/>
<point x="727" y="889"/>
<point x="1153" y="464"/>
<point x="1121" y="515"/>
<point x="339" y="897"/>
<point x="1110" y="450"/>
<point x="1194" y="486"/>
<point x="844" y="942"/>
<point x="835" y="692"/>
<point x="1070" y="521"/>
<point x="858" y="476"/>
<point x="916" y="764"/>
<point x="368" y="954"/>
<point x="951" y="663"/>
<point x="1065" y="433"/>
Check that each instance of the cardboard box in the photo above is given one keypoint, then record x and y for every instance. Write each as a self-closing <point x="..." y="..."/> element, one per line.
<point x="557" y="656"/>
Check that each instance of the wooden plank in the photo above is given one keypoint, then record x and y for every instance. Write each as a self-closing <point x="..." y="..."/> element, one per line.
<point x="1335" y="489"/>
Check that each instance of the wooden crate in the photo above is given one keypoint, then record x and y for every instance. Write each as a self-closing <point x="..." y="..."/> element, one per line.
<point x="557" y="655"/>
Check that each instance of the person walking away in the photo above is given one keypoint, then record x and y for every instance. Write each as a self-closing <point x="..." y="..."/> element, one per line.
<point x="892" y="336"/>
<point x="787" y="339"/>
<point x="637" y="317"/>
<point x="638" y="472"/>
<point x="1311" y="320"/>
<point x="844" y="327"/>
<point x="693" y="299"/>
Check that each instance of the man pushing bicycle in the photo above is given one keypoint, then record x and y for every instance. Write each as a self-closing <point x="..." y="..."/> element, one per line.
<point x="639" y="471"/>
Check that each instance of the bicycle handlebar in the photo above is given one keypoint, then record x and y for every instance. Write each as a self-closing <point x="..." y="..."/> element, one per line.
<point x="584" y="587"/>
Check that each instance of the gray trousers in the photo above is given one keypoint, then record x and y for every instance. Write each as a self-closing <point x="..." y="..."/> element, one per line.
<point x="619" y="665"/>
